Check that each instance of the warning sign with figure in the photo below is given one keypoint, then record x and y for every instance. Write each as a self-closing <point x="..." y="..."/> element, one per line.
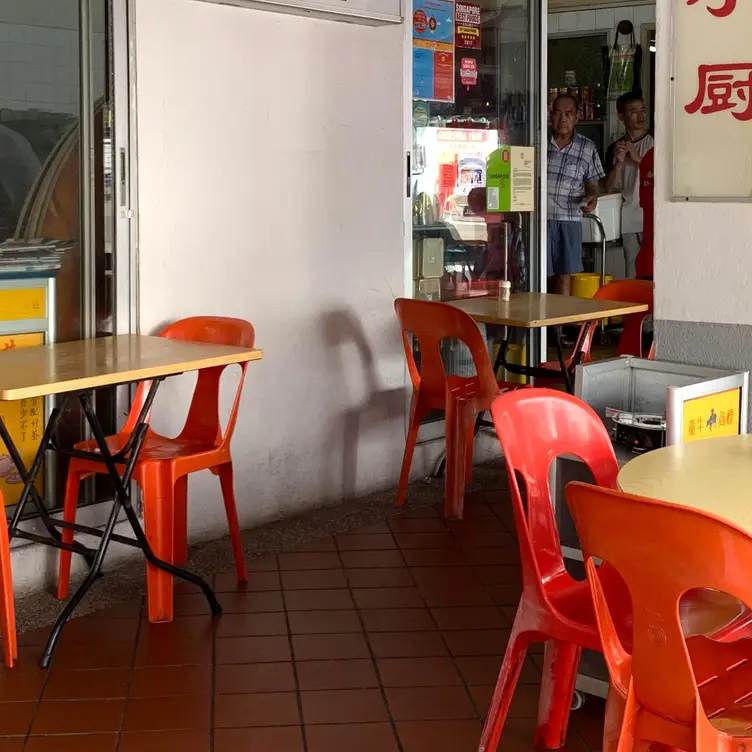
<point x="712" y="416"/>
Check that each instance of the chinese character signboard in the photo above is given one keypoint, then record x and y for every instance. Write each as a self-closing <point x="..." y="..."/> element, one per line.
<point x="712" y="416"/>
<point x="712" y="99"/>
<point x="433" y="50"/>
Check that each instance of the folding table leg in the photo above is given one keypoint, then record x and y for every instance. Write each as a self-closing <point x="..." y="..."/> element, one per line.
<point x="562" y="362"/>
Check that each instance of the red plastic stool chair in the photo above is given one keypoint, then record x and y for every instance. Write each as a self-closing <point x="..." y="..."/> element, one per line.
<point x="534" y="427"/>
<point x="7" y="609"/>
<point x="688" y="693"/>
<point x="462" y="398"/>
<point x="630" y="342"/>
<point x="165" y="463"/>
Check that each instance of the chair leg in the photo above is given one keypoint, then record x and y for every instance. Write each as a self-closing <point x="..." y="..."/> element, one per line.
<point x="180" y="530"/>
<point x="159" y="521"/>
<point x="459" y="420"/>
<point x="509" y="675"/>
<point x="7" y="608"/>
<point x="614" y="720"/>
<point x="72" y="485"/>
<point x="560" y="665"/>
<point x="416" y="416"/>
<point x="228" y="494"/>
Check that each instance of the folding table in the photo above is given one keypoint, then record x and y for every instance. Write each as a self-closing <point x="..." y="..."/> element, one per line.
<point x="79" y="368"/>
<point x="534" y="310"/>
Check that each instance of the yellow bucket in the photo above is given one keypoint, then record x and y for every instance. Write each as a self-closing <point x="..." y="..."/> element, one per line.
<point x="516" y="355"/>
<point x="585" y="285"/>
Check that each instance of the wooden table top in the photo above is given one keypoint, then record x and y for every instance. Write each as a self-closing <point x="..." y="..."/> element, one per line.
<point x="532" y="310"/>
<point x="89" y="364"/>
<point x="712" y="475"/>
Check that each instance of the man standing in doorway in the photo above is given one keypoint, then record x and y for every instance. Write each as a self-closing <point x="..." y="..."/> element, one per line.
<point x="623" y="164"/>
<point x="574" y="173"/>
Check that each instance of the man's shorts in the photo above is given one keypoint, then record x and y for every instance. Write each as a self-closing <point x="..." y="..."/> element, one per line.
<point x="564" y="247"/>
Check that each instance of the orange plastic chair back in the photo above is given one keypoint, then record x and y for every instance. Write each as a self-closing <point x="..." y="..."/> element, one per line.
<point x="662" y="551"/>
<point x="202" y="422"/>
<point x="626" y="291"/>
<point x="535" y="426"/>
<point x="432" y="323"/>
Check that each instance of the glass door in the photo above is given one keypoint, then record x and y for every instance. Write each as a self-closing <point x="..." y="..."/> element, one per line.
<point x="58" y="135"/>
<point x="476" y="99"/>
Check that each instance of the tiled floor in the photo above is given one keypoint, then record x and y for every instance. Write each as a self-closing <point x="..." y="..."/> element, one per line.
<point x="383" y="639"/>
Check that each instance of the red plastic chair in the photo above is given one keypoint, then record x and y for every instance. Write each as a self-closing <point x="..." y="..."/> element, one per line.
<point x="688" y="693"/>
<point x="630" y="342"/>
<point x="7" y="608"/>
<point x="535" y="427"/>
<point x="165" y="463"/>
<point x="462" y="398"/>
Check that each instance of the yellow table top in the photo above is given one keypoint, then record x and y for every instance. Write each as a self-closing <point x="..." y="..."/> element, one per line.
<point x="88" y="364"/>
<point x="532" y="310"/>
<point x="712" y="475"/>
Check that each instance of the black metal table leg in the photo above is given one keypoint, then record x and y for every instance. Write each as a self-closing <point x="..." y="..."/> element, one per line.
<point x="562" y="362"/>
<point x="122" y="501"/>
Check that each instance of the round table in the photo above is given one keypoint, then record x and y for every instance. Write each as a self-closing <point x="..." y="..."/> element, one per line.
<point x="712" y="475"/>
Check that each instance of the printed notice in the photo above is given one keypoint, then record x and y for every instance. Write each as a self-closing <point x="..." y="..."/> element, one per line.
<point x="433" y="50"/>
<point x="523" y="178"/>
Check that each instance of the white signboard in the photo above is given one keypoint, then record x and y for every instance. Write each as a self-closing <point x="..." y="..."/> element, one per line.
<point x="712" y="99"/>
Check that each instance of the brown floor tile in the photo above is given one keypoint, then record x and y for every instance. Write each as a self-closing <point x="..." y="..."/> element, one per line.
<point x="433" y="541"/>
<point x="324" y="622"/>
<point x="343" y="706"/>
<point x="482" y="695"/>
<point x="279" y="739"/>
<point x="329" y="647"/>
<point x="126" y="610"/>
<point x="425" y="557"/>
<point x="181" y="628"/>
<point x="363" y="737"/>
<point x="345" y="674"/>
<point x="94" y="655"/>
<point x="84" y="630"/>
<point x="470" y="617"/>
<point x="251" y="625"/>
<point x="525" y="701"/>
<point x="21" y="685"/>
<point x="477" y="641"/>
<point x="448" y="595"/>
<point x="375" y="528"/>
<point x="15" y="717"/>
<point x="398" y="620"/>
<point x="245" y="711"/>
<point x="251" y="603"/>
<point x="407" y="644"/>
<point x="499" y="575"/>
<point x="372" y="559"/>
<point x="169" y="652"/>
<point x="440" y="736"/>
<point x="165" y="741"/>
<point x="318" y="579"/>
<point x="257" y="581"/>
<point x="480" y="557"/>
<point x="418" y="672"/>
<point x="506" y="595"/>
<point x="365" y="542"/>
<point x="314" y="545"/>
<point x="34" y="637"/>
<point x="264" y="564"/>
<point x="518" y="737"/>
<point x="420" y="525"/>
<point x="167" y="713"/>
<point x="478" y="521"/>
<point x="322" y="560"/>
<point x="77" y="717"/>
<point x="429" y="703"/>
<point x="318" y="600"/>
<point x="484" y="669"/>
<point x="588" y="722"/>
<point x="419" y="514"/>
<point x="12" y="743"/>
<point x="380" y="578"/>
<point x="87" y="684"/>
<point x="252" y="650"/>
<point x="163" y="681"/>
<point x="474" y="539"/>
<point x="383" y="598"/>
<point x="254" y="677"/>
<point x="72" y="743"/>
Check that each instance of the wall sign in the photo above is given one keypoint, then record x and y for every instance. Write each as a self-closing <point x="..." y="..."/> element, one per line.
<point x="433" y="50"/>
<point x="712" y="100"/>
<point x="467" y="26"/>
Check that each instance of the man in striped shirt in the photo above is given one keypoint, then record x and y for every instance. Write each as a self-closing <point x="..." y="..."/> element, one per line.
<point x="574" y="173"/>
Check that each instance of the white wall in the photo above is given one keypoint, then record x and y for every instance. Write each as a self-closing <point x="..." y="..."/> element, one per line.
<point x="271" y="178"/>
<point x="39" y="54"/>
<point x="703" y="259"/>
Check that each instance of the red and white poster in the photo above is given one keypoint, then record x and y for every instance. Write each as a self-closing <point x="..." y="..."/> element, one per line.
<point x="467" y="26"/>
<point x="468" y="72"/>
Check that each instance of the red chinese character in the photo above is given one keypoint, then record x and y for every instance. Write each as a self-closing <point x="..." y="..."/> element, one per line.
<point x="728" y="7"/>
<point x="691" y="428"/>
<point x="724" y="87"/>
